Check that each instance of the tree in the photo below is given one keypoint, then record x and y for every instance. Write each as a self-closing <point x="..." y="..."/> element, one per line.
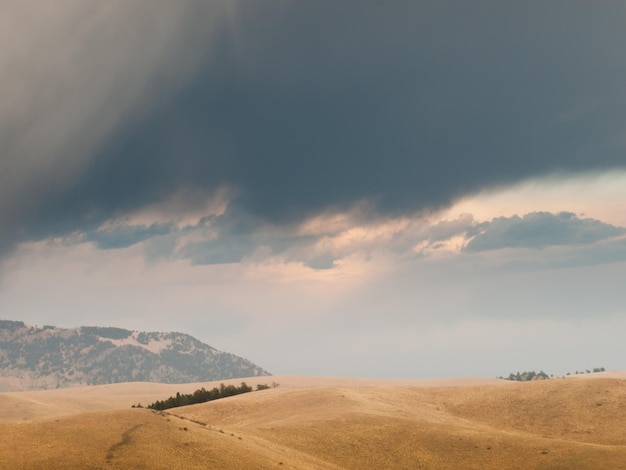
<point x="202" y="395"/>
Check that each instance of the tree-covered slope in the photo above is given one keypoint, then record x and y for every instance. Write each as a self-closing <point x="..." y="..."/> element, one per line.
<point x="33" y="357"/>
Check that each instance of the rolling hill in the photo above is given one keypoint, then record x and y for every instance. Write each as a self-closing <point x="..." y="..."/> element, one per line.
<point x="327" y="423"/>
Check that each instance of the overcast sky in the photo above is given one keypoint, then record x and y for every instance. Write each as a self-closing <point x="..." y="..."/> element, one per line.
<point x="380" y="188"/>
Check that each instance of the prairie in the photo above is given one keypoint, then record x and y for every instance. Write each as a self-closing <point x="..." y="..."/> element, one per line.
<point x="325" y="423"/>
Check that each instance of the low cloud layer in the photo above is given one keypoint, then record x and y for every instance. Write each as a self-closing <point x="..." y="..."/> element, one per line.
<point x="236" y="238"/>
<point x="538" y="230"/>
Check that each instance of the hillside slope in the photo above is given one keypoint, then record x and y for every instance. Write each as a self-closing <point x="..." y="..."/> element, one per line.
<point x="48" y="357"/>
<point x="334" y="423"/>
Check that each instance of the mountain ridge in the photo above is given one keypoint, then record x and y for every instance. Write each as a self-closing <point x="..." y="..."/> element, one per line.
<point x="45" y="357"/>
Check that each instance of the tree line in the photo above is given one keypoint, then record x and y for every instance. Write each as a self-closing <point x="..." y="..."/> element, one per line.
<point x="541" y="375"/>
<point x="201" y="395"/>
<point x="526" y="376"/>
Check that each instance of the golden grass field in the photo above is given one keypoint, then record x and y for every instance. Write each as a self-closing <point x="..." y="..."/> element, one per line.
<point x="325" y="423"/>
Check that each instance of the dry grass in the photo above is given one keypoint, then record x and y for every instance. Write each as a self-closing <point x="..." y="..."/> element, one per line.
<point x="326" y="423"/>
<point x="24" y="406"/>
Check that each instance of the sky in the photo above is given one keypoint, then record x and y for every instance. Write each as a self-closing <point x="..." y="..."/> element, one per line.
<point x="376" y="188"/>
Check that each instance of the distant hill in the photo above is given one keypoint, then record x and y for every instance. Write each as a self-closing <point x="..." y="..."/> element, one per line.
<point x="35" y="358"/>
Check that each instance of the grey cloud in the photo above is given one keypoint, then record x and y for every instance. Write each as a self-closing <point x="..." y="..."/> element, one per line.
<point x="326" y="261"/>
<point x="231" y="237"/>
<point x="216" y="252"/>
<point x="126" y="235"/>
<point x="224" y="247"/>
<point x="306" y="106"/>
<point x="235" y="237"/>
<point x="447" y="229"/>
<point x="538" y="230"/>
<point x="605" y="252"/>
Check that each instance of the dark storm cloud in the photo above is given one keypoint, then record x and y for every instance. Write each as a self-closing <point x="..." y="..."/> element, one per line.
<point x="538" y="230"/>
<point x="305" y="106"/>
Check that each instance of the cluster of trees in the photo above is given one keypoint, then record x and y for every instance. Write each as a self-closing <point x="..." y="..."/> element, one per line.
<point x="587" y="371"/>
<point x="202" y="395"/>
<point x="109" y="332"/>
<point x="526" y="376"/>
<point x="541" y="375"/>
